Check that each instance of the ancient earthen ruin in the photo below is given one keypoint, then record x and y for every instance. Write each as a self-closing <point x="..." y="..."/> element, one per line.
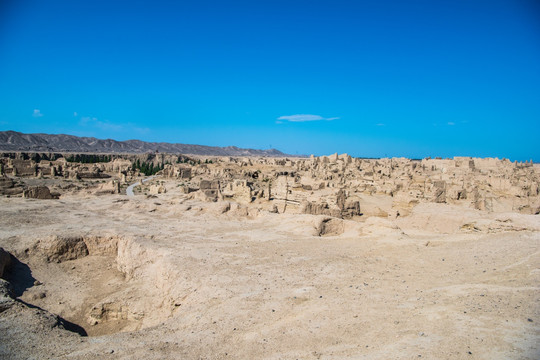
<point x="246" y="258"/>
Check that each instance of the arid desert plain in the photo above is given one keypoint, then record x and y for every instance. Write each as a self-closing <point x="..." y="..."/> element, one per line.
<point x="268" y="258"/>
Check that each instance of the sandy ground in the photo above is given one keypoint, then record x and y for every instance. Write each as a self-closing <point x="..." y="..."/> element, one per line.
<point x="170" y="278"/>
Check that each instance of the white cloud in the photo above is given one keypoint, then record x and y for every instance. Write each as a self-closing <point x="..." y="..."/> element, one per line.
<point x="106" y="125"/>
<point x="37" y="113"/>
<point x="304" y="117"/>
<point x="141" y="130"/>
<point x="451" y="123"/>
<point x="380" y="124"/>
<point x="103" y="125"/>
<point x="75" y="114"/>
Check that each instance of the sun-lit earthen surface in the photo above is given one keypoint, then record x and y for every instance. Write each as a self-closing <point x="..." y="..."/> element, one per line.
<point x="321" y="258"/>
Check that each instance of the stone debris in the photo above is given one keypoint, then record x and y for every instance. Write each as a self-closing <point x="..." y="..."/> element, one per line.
<point x="38" y="192"/>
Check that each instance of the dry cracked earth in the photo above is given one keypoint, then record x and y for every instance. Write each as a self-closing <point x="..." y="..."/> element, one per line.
<point x="168" y="277"/>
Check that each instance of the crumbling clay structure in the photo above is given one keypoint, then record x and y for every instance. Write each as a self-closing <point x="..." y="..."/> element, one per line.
<point x="162" y="256"/>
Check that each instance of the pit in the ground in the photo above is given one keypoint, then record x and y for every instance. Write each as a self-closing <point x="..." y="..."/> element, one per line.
<point x="77" y="278"/>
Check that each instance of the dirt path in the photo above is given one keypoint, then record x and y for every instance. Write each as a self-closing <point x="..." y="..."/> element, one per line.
<point x="129" y="190"/>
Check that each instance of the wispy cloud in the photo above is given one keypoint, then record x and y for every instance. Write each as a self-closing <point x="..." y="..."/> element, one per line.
<point x="75" y="114"/>
<point x="451" y="123"/>
<point x="106" y="125"/>
<point x="37" y="113"/>
<point x="141" y="130"/>
<point x="303" y="118"/>
<point x="102" y="125"/>
<point x="380" y="124"/>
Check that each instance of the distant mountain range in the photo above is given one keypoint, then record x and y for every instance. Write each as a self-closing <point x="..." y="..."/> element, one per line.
<point x="16" y="141"/>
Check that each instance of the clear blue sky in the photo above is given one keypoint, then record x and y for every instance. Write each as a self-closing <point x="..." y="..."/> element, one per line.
<point x="370" y="78"/>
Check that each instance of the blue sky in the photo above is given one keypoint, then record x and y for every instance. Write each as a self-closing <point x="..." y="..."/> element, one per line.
<point x="373" y="79"/>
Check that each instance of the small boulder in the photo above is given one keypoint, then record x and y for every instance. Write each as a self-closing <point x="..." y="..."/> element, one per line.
<point x="37" y="192"/>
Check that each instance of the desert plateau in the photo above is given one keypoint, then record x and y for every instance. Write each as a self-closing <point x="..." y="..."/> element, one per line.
<point x="216" y="257"/>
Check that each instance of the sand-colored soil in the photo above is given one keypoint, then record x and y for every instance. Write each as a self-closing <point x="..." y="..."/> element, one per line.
<point x="174" y="278"/>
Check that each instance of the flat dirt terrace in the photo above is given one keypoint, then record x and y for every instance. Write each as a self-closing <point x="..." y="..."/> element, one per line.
<point x="170" y="278"/>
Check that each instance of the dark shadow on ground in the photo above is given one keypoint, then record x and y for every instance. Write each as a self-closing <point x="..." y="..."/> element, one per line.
<point x="20" y="276"/>
<point x="62" y="323"/>
<point x="20" y="279"/>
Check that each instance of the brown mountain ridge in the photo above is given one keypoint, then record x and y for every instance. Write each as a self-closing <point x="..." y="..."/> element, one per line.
<point x="16" y="141"/>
